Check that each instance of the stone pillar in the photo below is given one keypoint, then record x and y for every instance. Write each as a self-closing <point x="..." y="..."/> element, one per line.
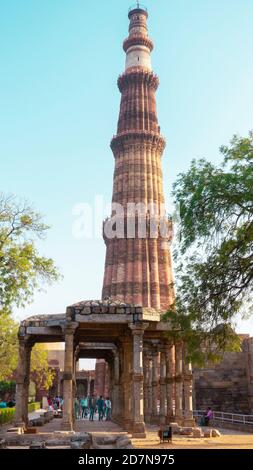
<point x="68" y="376"/>
<point x="179" y="383"/>
<point x="162" y="387"/>
<point x="188" y="408"/>
<point x="116" y="397"/>
<point x="170" y="382"/>
<point x="22" y="383"/>
<point x="154" y="415"/>
<point x="146" y="386"/>
<point x="74" y="388"/>
<point x="150" y="368"/>
<point x="121" y="386"/>
<point x="88" y="385"/>
<point x="138" y="425"/>
<point x="126" y="384"/>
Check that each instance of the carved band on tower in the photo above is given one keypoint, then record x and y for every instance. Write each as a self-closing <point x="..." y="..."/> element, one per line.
<point x="138" y="269"/>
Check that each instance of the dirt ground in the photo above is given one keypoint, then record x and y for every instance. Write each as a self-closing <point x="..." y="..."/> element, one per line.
<point x="228" y="440"/>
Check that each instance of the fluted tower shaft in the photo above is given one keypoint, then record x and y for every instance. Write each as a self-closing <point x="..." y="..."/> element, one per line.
<point x="138" y="268"/>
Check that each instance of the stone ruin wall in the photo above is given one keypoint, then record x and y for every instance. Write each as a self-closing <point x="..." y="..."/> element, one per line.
<point x="227" y="386"/>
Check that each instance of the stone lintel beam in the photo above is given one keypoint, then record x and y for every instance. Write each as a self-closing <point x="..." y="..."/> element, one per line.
<point x="44" y="330"/>
<point x="95" y="345"/>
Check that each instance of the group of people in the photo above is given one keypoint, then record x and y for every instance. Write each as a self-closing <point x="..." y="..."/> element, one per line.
<point x="90" y="405"/>
<point x="55" y="403"/>
<point x="7" y="403"/>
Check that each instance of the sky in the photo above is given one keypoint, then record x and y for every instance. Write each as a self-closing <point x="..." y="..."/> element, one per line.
<point x="59" y="102"/>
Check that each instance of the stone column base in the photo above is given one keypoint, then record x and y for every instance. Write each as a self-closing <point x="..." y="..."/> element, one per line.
<point x="179" y="420"/>
<point x="127" y="424"/>
<point x="138" y="431"/>
<point x="119" y="420"/>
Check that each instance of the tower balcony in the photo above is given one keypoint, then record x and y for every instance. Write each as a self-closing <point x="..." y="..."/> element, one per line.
<point x="137" y="8"/>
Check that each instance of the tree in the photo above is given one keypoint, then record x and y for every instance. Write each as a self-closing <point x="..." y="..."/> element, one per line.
<point x="8" y="346"/>
<point x="22" y="269"/>
<point x="215" y="255"/>
<point x="41" y="373"/>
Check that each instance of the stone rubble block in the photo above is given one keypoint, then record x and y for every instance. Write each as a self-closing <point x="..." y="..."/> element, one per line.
<point x="81" y="441"/>
<point x="197" y="433"/>
<point x="175" y="428"/>
<point x="57" y="442"/>
<point x="112" y="442"/>
<point x="38" y="421"/>
<point x="186" y="431"/>
<point x="38" y="445"/>
<point x="65" y="433"/>
<point x="123" y="442"/>
<point x="106" y="440"/>
<point x="16" y="430"/>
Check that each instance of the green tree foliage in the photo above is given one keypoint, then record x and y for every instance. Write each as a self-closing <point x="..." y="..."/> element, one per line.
<point x="215" y="255"/>
<point x="41" y="373"/>
<point x="8" y="346"/>
<point x="22" y="269"/>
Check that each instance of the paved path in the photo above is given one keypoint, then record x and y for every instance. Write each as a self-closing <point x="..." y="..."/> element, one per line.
<point x="98" y="427"/>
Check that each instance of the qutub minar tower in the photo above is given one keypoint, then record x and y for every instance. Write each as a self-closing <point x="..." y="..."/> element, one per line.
<point x="138" y="270"/>
<point x="149" y="378"/>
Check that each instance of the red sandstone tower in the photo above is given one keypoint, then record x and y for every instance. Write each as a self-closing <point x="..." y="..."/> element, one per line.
<point x="138" y="268"/>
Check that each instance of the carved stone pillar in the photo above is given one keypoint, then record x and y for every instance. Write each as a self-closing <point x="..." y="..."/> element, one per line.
<point x="162" y="387"/>
<point x="188" y="408"/>
<point x="74" y="387"/>
<point x="146" y="385"/>
<point x="22" y="383"/>
<point x="154" y="415"/>
<point x="138" y="425"/>
<point x="170" y="382"/>
<point x="127" y="383"/>
<point x="150" y="401"/>
<point x="68" y="377"/>
<point x="179" y="383"/>
<point x="116" y="398"/>
<point x="121" y="386"/>
<point x="88" y="385"/>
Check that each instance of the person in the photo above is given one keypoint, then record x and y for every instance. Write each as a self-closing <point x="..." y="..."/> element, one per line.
<point x="86" y="402"/>
<point x="83" y="406"/>
<point x="100" y="405"/>
<point x="208" y="416"/>
<point x="108" y="409"/>
<point x="202" y="420"/>
<point x="92" y="407"/>
<point x="11" y="403"/>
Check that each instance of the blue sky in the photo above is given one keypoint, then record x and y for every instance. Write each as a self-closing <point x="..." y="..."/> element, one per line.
<point x="59" y="63"/>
